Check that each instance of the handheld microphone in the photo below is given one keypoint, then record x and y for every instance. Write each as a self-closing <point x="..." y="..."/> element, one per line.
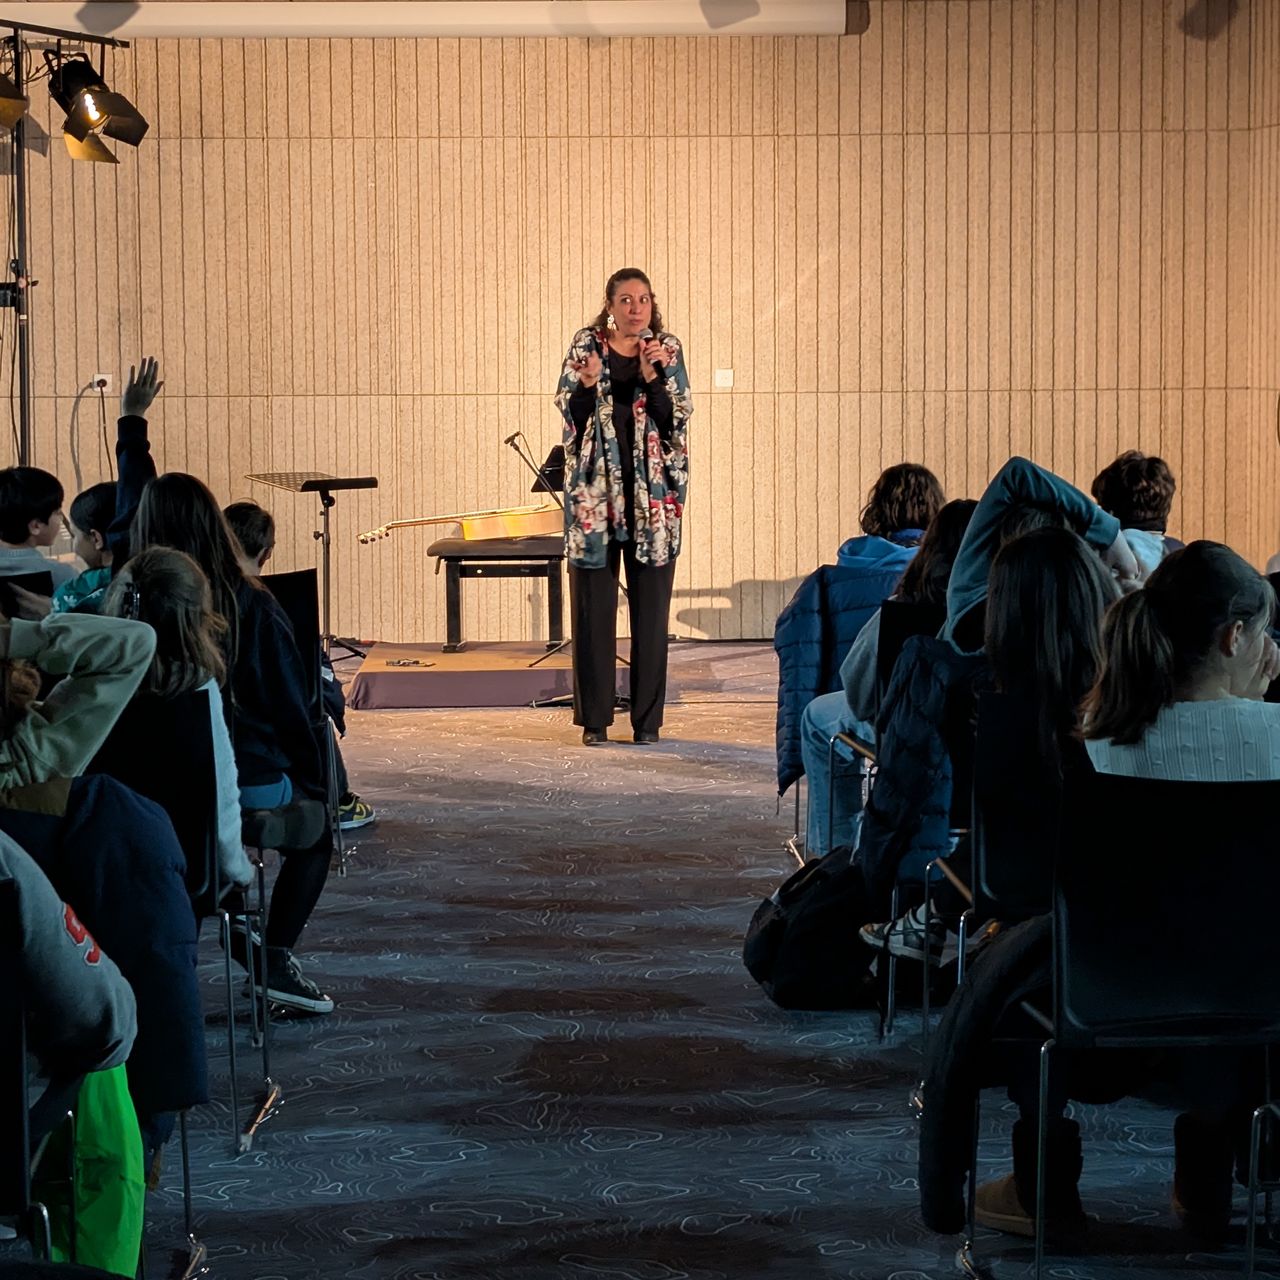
<point x="663" y="368"/>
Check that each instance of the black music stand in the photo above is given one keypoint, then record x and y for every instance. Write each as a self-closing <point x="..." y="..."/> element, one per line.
<point x="325" y="486"/>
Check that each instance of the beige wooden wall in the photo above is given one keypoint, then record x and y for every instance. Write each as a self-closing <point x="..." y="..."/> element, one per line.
<point x="1265" y="257"/>
<point x="985" y="226"/>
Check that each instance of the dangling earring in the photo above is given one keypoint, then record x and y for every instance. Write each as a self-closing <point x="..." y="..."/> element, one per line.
<point x="611" y="324"/>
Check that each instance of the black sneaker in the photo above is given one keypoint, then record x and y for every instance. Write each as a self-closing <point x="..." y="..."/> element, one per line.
<point x="286" y="984"/>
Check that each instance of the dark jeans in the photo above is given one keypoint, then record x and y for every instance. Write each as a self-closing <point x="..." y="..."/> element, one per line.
<point x="593" y="595"/>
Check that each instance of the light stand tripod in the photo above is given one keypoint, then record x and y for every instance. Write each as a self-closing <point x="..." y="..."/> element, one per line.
<point x="324" y="485"/>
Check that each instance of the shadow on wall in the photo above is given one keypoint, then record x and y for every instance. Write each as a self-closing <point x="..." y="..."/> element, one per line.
<point x="1208" y="19"/>
<point x="743" y="610"/>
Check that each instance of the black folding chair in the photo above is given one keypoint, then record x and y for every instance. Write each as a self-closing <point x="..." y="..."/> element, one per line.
<point x="296" y="594"/>
<point x="1150" y="948"/>
<point x="39" y="583"/>
<point x="1015" y="826"/>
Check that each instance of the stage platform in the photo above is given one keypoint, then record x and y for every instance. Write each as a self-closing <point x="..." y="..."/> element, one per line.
<point x="484" y="674"/>
<point x="497" y="674"/>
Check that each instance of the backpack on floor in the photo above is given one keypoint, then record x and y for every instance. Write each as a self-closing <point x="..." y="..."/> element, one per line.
<point x="802" y="945"/>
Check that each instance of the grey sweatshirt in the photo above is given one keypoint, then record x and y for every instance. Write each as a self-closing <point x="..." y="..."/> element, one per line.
<point x="79" y="1009"/>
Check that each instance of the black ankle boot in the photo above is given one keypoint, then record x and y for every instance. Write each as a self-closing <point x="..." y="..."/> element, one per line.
<point x="1063" y="1163"/>
<point x="1203" y="1153"/>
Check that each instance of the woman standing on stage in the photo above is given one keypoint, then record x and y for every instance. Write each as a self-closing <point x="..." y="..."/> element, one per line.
<point x="624" y="394"/>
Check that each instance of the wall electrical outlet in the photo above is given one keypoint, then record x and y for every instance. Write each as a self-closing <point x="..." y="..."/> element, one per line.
<point x="724" y="379"/>
<point x="101" y="382"/>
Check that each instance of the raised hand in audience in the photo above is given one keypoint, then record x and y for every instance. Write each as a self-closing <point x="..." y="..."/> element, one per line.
<point x="141" y="389"/>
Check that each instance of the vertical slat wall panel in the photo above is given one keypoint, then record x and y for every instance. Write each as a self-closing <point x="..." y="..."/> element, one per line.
<point x="1049" y="226"/>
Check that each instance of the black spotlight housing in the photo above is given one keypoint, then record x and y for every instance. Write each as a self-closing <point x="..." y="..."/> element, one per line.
<point x="90" y="105"/>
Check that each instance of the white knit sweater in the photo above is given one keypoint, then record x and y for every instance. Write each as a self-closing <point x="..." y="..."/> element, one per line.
<point x="1226" y="740"/>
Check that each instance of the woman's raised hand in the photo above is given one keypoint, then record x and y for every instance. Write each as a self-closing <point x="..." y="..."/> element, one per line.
<point x="588" y="369"/>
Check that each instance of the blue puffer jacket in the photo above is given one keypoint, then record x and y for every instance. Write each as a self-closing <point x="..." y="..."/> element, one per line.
<point x="814" y="632"/>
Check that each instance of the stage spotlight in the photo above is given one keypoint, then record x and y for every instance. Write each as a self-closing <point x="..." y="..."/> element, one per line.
<point x="90" y="147"/>
<point x="90" y="105"/>
<point x="12" y="103"/>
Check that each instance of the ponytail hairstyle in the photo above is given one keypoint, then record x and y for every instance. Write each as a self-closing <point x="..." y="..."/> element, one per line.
<point x="924" y="581"/>
<point x="167" y="590"/>
<point x="1045" y="600"/>
<point x="906" y="496"/>
<point x="1157" y="640"/>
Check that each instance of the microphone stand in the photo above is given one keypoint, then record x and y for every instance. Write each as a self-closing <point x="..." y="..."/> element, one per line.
<point x="520" y="444"/>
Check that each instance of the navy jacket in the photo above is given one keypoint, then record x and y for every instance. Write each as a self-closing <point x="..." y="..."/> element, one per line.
<point x="816" y="629"/>
<point x="113" y="857"/>
<point x="908" y="814"/>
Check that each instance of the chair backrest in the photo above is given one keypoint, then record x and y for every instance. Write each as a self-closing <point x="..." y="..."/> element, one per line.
<point x="1162" y="912"/>
<point x="162" y="748"/>
<point x="15" y="1134"/>
<point x="899" y="620"/>
<point x="39" y="583"/>
<point x="1017" y="806"/>
<point x="298" y="595"/>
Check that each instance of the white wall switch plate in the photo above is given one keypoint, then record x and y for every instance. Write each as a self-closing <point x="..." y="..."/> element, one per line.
<point x="724" y="378"/>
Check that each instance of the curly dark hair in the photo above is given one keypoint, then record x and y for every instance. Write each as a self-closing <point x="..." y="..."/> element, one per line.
<point x="906" y="496"/>
<point x="611" y="291"/>
<point x="1137" y="490"/>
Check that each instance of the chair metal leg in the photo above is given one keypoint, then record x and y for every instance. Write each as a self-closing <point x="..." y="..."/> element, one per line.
<point x="224" y="924"/>
<point x="831" y="791"/>
<point x="272" y="1096"/>
<point x="72" y="1222"/>
<point x="1271" y="1109"/>
<point x="924" y="994"/>
<point x="962" y="943"/>
<point x="891" y="968"/>
<point x="1042" y="1133"/>
<point x="793" y="844"/>
<point x="335" y="799"/>
<point x="966" y="1257"/>
<point x="40" y="1225"/>
<point x="197" y="1253"/>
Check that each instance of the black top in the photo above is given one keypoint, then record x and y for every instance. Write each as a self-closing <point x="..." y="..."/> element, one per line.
<point x="624" y="374"/>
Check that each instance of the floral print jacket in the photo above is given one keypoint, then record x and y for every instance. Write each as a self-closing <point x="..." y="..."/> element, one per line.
<point x="595" y="506"/>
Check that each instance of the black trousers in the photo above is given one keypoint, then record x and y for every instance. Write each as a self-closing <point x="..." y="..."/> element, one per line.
<point x="593" y="603"/>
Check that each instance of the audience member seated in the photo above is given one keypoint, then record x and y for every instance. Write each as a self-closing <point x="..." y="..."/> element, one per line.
<point x="80" y="1022"/>
<point x="114" y="858"/>
<point x="1138" y="491"/>
<point x="830" y="607"/>
<point x="907" y="822"/>
<point x="91" y="515"/>
<point x="276" y="754"/>
<point x="167" y="590"/>
<point x="101" y="661"/>
<point x="255" y="531"/>
<point x="852" y="711"/>
<point x="30" y="518"/>
<point x="1186" y="663"/>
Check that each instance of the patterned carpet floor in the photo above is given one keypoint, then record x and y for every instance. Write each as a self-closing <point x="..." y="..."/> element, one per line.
<point x="547" y="1062"/>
